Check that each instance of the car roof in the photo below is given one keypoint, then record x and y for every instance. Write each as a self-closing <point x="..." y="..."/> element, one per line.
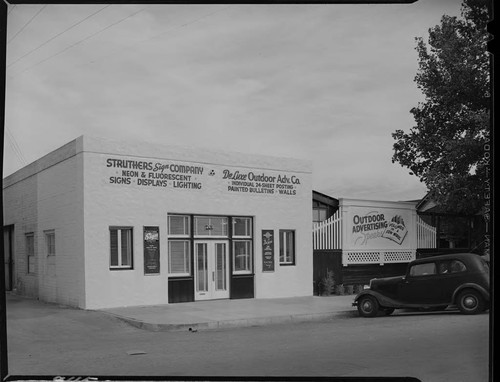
<point x="460" y="256"/>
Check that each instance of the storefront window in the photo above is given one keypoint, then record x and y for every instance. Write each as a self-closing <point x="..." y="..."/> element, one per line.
<point x="178" y="225"/>
<point x="210" y="226"/>
<point x="242" y="256"/>
<point x="287" y="247"/>
<point x="121" y="247"/>
<point x="179" y="263"/>
<point x="242" y="227"/>
<point x="181" y="240"/>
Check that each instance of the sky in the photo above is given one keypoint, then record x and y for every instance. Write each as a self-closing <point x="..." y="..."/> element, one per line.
<point x="328" y="83"/>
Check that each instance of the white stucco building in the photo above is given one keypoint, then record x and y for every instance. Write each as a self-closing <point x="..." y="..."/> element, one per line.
<point x="99" y="224"/>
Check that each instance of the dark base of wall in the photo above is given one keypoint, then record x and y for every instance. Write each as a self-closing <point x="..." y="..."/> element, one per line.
<point x="331" y="260"/>
<point x="181" y="290"/>
<point x="242" y="287"/>
<point x="323" y="262"/>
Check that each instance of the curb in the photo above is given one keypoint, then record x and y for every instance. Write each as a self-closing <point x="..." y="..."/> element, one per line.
<point x="235" y="323"/>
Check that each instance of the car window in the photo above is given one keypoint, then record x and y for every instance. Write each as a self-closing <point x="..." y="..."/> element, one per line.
<point x="457" y="266"/>
<point x="451" y="266"/>
<point x="423" y="269"/>
<point x="444" y="267"/>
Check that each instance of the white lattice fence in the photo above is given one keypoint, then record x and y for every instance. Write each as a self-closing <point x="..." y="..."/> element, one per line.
<point x="426" y="234"/>
<point x="399" y="256"/>
<point x="377" y="257"/>
<point x="328" y="234"/>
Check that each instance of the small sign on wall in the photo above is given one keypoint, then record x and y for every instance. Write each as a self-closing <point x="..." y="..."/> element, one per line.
<point x="267" y="250"/>
<point x="151" y="250"/>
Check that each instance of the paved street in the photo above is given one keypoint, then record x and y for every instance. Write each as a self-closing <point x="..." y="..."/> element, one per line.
<point x="447" y="346"/>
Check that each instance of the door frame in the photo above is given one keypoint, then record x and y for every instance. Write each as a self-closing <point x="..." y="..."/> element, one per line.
<point x="8" y="237"/>
<point x="182" y="288"/>
<point x="212" y="293"/>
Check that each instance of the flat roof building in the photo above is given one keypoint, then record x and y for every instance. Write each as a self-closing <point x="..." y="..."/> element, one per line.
<point x="99" y="223"/>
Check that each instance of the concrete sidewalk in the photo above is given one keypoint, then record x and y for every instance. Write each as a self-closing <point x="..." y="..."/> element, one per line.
<point x="218" y="314"/>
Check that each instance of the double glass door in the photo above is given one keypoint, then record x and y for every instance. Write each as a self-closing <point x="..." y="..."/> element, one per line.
<point x="211" y="269"/>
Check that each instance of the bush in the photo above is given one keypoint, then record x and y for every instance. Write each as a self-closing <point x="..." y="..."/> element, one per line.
<point x="358" y="288"/>
<point x="339" y="289"/>
<point x="328" y="283"/>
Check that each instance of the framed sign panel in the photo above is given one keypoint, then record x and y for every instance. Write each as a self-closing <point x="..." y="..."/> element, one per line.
<point x="151" y="250"/>
<point x="267" y="250"/>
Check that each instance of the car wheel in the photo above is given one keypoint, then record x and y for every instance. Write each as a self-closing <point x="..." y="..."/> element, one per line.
<point x="388" y="311"/>
<point x="368" y="306"/>
<point x="470" y="302"/>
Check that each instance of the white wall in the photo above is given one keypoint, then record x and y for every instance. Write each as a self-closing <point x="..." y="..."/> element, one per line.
<point x="48" y="195"/>
<point x="20" y="209"/>
<point x="60" y="208"/>
<point x="108" y="204"/>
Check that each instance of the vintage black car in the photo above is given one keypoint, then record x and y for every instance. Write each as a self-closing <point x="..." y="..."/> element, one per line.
<point x="432" y="283"/>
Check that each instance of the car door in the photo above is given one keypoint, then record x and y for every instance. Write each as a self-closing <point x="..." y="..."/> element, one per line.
<point x="451" y="274"/>
<point x="421" y="285"/>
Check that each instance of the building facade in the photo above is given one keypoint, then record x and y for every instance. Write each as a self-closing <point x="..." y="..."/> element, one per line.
<point x="99" y="224"/>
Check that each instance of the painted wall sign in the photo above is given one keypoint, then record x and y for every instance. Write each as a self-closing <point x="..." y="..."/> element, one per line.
<point x="261" y="183"/>
<point x="186" y="176"/>
<point x="267" y="250"/>
<point x="154" y="174"/>
<point x="379" y="228"/>
<point x="151" y="250"/>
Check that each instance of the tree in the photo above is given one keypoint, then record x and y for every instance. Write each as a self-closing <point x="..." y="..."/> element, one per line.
<point x="446" y="148"/>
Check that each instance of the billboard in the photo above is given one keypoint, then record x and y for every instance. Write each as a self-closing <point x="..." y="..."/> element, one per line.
<point x="375" y="227"/>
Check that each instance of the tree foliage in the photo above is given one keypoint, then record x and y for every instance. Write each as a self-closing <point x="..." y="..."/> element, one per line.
<point x="446" y="148"/>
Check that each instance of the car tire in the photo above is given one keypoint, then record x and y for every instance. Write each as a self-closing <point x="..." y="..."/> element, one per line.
<point x="368" y="306"/>
<point x="470" y="301"/>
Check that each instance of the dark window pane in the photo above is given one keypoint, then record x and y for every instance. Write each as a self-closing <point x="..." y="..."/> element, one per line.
<point x="114" y="247"/>
<point x="242" y="227"/>
<point x="125" y="233"/>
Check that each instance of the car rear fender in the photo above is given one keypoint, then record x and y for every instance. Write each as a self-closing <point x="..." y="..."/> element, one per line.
<point x="382" y="300"/>
<point x="485" y="293"/>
